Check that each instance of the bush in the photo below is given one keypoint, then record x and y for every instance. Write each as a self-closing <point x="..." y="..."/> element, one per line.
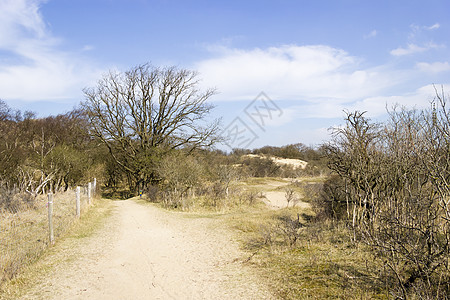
<point x="153" y="193"/>
<point x="330" y="202"/>
<point x="13" y="201"/>
<point x="289" y="228"/>
<point x="261" y="167"/>
<point x="392" y="185"/>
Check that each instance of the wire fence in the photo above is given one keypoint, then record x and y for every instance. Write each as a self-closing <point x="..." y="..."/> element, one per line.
<point x="24" y="235"/>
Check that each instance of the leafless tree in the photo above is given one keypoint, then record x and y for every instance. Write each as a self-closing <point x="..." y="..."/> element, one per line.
<point x="353" y="155"/>
<point x="144" y="112"/>
<point x="396" y="187"/>
<point x="291" y="196"/>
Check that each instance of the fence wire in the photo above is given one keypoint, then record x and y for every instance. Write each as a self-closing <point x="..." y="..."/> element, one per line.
<point x="24" y="235"/>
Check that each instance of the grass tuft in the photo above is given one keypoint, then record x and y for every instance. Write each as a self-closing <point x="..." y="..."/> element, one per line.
<point x="32" y="263"/>
<point x="307" y="260"/>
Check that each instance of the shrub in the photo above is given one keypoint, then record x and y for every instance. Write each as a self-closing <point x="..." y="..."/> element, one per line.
<point x="14" y="201"/>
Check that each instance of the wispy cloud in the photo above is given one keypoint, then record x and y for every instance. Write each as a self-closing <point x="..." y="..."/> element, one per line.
<point x="33" y="67"/>
<point x="436" y="67"/>
<point x="412" y="49"/>
<point x="434" y="26"/>
<point x="371" y="34"/>
<point x="419" y="98"/>
<point x="418" y="30"/>
<point x="375" y="106"/>
<point x="322" y="80"/>
<point x="20" y="19"/>
<point x="87" y="48"/>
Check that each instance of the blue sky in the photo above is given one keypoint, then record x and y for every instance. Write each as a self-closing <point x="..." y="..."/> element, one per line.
<point x="312" y="59"/>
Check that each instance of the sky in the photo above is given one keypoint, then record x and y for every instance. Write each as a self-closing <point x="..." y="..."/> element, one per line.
<point x="285" y="71"/>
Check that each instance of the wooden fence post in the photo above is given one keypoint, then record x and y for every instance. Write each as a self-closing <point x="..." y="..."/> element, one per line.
<point x="89" y="193"/>
<point x="95" y="186"/>
<point x="50" y="217"/>
<point x="78" y="201"/>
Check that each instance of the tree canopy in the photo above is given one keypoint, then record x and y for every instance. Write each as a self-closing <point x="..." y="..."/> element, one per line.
<point x="147" y="111"/>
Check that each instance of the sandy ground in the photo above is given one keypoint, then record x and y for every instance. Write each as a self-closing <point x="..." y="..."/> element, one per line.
<point x="144" y="252"/>
<point x="275" y="196"/>
<point x="295" y="163"/>
<point x="277" y="200"/>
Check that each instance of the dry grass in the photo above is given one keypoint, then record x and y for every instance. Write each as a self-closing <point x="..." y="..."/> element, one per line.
<point x="320" y="264"/>
<point x="297" y="260"/>
<point x="302" y="259"/>
<point x="33" y="272"/>
<point x="24" y="235"/>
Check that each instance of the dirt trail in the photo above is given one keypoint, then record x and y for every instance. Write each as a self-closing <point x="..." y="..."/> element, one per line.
<point x="144" y="252"/>
<point x="275" y="198"/>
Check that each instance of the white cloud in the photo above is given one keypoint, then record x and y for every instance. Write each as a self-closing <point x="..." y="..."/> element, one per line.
<point x="436" y="67"/>
<point x="19" y="19"/>
<point x="292" y="73"/>
<point x="432" y="27"/>
<point x="372" y="34"/>
<point x="34" y="68"/>
<point x="374" y="106"/>
<point x="321" y="80"/>
<point x="419" y="32"/>
<point x="417" y="29"/>
<point x="412" y="49"/>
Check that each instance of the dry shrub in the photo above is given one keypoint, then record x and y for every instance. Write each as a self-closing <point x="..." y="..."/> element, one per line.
<point x="249" y="197"/>
<point x="392" y="187"/>
<point x="153" y="193"/>
<point x="14" y="201"/>
<point x="289" y="228"/>
<point x="330" y="202"/>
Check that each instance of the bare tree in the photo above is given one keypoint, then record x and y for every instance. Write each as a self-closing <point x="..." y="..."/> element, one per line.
<point x="144" y="112"/>
<point x="396" y="187"/>
<point x="354" y="156"/>
<point x="291" y="196"/>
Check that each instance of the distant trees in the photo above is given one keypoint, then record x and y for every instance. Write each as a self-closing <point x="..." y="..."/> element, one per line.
<point x="260" y="167"/>
<point x="194" y="179"/>
<point x="47" y="154"/>
<point x="393" y="188"/>
<point x="315" y="157"/>
<point x="294" y="151"/>
<point x="145" y="112"/>
<point x="11" y="150"/>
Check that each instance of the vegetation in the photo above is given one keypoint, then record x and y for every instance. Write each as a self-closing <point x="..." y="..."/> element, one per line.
<point x="27" y="245"/>
<point x="42" y="155"/>
<point x="377" y="222"/>
<point x="380" y="227"/>
<point x="392" y="190"/>
<point x="303" y="259"/>
<point x="144" y="113"/>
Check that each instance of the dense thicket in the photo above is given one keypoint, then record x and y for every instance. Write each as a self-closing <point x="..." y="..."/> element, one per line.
<point x="38" y="155"/>
<point x="294" y="151"/>
<point x="392" y="187"/>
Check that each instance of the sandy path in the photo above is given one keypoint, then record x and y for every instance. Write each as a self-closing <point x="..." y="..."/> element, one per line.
<point x="147" y="253"/>
<point x="275" y="198"/>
